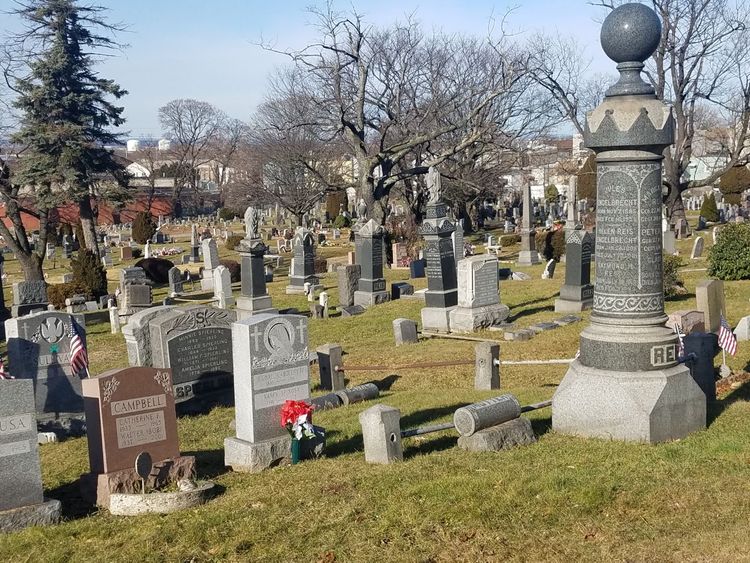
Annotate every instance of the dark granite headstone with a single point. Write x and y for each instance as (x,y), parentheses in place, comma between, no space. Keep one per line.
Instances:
(401,288)
(352,311)
(417,269)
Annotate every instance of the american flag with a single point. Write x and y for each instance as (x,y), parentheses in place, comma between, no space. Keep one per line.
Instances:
(3,372)
(727,341)
(79,360)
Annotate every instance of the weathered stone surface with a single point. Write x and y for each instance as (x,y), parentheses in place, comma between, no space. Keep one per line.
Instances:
(405,331)
(302,269)
(709,295)
(742,331)
(121,504)
(348,280)
(138,335)
(490,412)
(436,319)
(381,433)
(516,432)
(697,251)
(371,286)
(358,393)
(486,366)
(46,513)
(688,321)
(254,457)
(577,293)
(352,311)
(329,358)
(400,289)
(29,292)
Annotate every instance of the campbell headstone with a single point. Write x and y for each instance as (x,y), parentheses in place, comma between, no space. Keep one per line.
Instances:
(22,502)
(478,298)
(196,343)
(271,365)
(39,348)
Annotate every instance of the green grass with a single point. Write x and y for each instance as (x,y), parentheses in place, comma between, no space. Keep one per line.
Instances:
(561,499)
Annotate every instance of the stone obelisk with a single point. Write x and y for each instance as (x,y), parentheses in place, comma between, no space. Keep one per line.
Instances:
(627,383)
(528,256)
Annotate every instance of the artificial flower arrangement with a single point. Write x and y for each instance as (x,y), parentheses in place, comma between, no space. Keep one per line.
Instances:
(296,417)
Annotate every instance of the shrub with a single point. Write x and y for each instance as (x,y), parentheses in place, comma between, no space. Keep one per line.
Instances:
(157,269)
(729,258)
(228,214)
(709,210)
(551,193)
(232,241)
(673,284)
(735,181)
(551,244)
(89,274)
(341,221)
(143,228)
(58,293)
(235,271)
(507,240)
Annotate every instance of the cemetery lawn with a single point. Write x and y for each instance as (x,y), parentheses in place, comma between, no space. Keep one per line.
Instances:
(561,499)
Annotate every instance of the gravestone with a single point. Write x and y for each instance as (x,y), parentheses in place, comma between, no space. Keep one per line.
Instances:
(175,280)
(194,244)
(401,288)
(29,297)
(627,384)
(329,359)
(668,242)
(223,287)
(549,270)
(528,256)
(196,342)
(709,296)
(457,238)
(210,262)
(253,296)
(134,298)
(405,331)
(271,366)
(22,502)
(302,269)
(352,311)
(138,335)
(400,255)
(39,349)
(371,285)
(348,282)
(697,248)
(687,321)
(417,269)
(577,294)
(126,253)
(441,296)
(478,299)
(130,411)
(742,330)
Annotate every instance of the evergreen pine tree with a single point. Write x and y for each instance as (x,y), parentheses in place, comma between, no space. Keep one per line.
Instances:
(67,118)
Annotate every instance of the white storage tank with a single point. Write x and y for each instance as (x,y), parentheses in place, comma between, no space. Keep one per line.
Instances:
(133,145)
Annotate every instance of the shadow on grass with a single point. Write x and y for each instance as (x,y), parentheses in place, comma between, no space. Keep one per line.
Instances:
(423,417)
(386,383)
(541,425)
(680,298)
(208,463)
(742,393)
(73,505)
(445,442)
(528,312)
(347,446)
(534,301)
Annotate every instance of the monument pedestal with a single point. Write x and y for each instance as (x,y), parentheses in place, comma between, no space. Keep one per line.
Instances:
(43,514)
(465,319)
(648,406)
(574,298)
(528,258)
(297,286)
(97,487)
(436,319)
(247,306)
(566,306)
(254,457)
(368,299)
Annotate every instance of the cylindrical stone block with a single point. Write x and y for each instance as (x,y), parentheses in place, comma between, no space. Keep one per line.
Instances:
(359,393)
(487,366)
(491,412)
(326,402)
(381,434)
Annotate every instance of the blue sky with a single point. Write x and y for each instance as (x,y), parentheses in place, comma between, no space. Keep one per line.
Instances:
(204,49)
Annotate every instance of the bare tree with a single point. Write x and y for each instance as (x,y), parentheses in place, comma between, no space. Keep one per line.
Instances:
(385,92)
(230,136)
(700,67)
(192,126)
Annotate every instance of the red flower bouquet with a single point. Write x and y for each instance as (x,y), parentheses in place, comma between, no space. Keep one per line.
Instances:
(296,417)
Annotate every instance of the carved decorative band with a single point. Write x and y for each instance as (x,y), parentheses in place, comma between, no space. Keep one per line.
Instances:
(623,304)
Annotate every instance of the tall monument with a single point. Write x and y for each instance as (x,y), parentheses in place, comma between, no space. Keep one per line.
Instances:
(254,296)
(528,256)
(627,383)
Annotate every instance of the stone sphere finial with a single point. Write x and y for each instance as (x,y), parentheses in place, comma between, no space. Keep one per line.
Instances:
(630,33)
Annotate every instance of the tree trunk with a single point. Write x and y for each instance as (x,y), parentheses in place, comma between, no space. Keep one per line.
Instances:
(88,224)
(300,219)
(31,266)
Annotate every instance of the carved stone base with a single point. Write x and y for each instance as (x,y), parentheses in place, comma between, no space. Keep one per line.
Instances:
(436,319)
(43,514)
(292,289)
(646,406)
(96,488)
(516,432)
(528,258)
(248,306)
(368,299)
(464,319)
(249,457)
(565,306)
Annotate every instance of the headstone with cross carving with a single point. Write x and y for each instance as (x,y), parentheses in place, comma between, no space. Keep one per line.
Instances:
(39,349)
(271,366)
